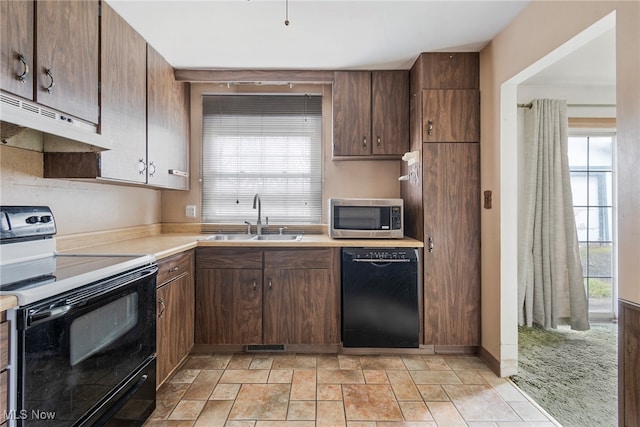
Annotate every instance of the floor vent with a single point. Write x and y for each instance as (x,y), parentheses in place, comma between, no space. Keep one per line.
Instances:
(265,347)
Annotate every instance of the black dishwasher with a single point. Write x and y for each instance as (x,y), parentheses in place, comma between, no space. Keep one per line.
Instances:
(380,297)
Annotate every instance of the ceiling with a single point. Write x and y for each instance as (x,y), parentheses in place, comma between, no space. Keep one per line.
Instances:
(322,34)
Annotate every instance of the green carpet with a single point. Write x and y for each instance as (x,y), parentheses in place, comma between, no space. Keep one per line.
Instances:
(571,374)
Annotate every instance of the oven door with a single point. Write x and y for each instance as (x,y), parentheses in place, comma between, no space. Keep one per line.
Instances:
(80,355)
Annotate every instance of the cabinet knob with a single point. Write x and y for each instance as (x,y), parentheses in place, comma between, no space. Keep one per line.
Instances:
(254,284)
(379,142)
(174,269)
(51,83)
(430,244)
(269,283)
(430,127)
(364,142)
(23,76)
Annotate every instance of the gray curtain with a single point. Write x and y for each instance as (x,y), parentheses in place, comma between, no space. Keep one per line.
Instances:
(551,285)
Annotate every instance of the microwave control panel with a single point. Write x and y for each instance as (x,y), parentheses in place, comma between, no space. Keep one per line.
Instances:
(396,218)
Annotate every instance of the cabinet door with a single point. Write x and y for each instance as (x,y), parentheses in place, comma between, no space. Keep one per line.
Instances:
(352,113)
(16,40)
(167,124)
(452,225)
(124,99)
(451,115)
(166,338)
(67,46)
(298,307)
(390,113)
(228,306)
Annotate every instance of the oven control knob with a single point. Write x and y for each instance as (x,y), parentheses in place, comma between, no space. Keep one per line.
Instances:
(46,218)
(32,220)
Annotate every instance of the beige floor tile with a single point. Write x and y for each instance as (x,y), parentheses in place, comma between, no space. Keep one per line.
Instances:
(348,362)
(330,413)
(382,362)
(261,362)
(169,423)
(240,361)
(415,411)
(187,410)
(371,402)
(261,402)
(237,423)
(203,385)
(340,376)
(466,362)
(163,410)
(528,412)
(209,362)
(436,363)
(297,361)
(433,392)
(243,376)
(406,424)
(435,377)
(302,410)
(285,424)
(280,376)
(415,362)
(375,376)
(214,413)
(303,386)
(445,414)
(171,393)
(225,392)
(328,361)
(186,376)
(329,392)
(403,385)
(361,424)
(480,403)
(471,377)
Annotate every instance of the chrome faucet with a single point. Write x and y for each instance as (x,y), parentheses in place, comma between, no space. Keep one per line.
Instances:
(256,198)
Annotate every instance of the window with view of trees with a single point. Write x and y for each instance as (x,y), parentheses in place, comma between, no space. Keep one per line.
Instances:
(262,144)
(591,166)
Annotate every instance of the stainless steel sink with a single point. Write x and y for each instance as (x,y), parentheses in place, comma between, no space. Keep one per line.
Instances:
(285,237)
(229,237)
(253,237)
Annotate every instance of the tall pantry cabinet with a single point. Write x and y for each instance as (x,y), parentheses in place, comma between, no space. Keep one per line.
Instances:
(442,207)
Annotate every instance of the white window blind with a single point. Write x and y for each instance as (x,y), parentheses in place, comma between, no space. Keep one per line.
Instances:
(262,144)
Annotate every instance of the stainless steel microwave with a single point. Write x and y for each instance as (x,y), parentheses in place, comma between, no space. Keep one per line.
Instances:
(366,218)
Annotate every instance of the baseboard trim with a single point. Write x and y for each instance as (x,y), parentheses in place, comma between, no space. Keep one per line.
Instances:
(490,360)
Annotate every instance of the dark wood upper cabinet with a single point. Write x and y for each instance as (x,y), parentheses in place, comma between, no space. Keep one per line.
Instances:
(448,70)
(16,47)
(167,125)
(66,74)
(390,112)
(370,114)
(123,64)
(450,115)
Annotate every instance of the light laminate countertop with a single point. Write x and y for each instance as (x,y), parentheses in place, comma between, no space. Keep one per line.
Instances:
(165,245)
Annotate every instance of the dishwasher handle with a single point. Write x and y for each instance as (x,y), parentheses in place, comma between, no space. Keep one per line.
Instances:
(381,260)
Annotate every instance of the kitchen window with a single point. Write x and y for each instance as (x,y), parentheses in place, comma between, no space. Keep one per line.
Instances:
(591,165)
(266,144)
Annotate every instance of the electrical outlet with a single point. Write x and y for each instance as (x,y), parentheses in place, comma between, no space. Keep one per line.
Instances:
(190,211)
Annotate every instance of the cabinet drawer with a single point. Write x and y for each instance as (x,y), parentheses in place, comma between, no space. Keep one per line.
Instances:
(228,258)
(174,266)
(300,258)
(4,345)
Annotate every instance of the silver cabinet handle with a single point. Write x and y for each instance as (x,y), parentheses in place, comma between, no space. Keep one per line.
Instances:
(430,127)
(142,166)
(163,308)
(152,171)
(364,142)
(379,142)
(51,83)
(254,284)
(23,76)
(269,282)
(174,269)
(430,244)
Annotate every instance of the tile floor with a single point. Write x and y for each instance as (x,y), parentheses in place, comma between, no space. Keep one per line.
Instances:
(264,390)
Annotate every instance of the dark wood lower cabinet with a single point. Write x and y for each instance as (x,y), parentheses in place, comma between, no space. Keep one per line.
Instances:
(175,314)
(229,306)
(293,298)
